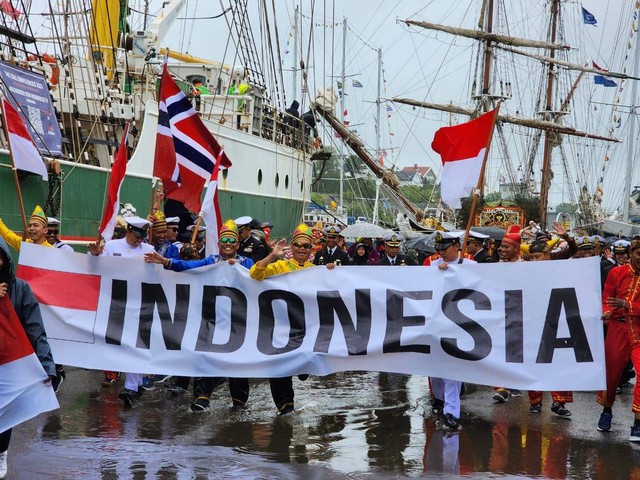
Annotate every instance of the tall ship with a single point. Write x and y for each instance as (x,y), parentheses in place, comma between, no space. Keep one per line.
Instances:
(563,85)
(101,61)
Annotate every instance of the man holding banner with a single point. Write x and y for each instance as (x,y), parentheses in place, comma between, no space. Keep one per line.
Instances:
(282,388)
(131,246)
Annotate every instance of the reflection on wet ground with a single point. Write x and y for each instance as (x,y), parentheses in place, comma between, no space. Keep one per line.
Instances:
(348,425)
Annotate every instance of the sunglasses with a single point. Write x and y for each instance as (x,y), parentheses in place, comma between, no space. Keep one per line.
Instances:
(302,246)
(174,229)
(229,240)
(52,232)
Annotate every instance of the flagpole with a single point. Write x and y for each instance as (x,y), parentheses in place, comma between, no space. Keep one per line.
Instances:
(15,176)
(476,191)
(196,227)
(125,132)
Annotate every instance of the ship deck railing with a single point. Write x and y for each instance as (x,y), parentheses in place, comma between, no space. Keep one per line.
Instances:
(244,113)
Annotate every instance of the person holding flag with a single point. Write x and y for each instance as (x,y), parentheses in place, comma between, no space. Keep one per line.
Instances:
(20,396)
(228,244)
(186,153)
(37,230)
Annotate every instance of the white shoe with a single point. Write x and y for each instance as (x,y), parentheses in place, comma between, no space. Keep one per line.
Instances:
(3,464)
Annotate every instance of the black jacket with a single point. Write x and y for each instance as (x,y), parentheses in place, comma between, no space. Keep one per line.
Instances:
(399,260)
(253,248)
(483,257)
(339,257)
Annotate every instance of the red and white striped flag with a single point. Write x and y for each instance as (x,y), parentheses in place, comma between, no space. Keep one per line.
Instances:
(23,391)
(462,148)
(211,210)
(110,214)
(76,314)
(26,155)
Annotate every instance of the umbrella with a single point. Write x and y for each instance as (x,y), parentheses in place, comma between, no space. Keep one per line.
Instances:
(359,230)
(494,233)
(423,244)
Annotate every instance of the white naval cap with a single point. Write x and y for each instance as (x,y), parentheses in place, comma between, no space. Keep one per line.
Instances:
(53,221)
(477,235)
(138,225)
(242,221)
(172,220)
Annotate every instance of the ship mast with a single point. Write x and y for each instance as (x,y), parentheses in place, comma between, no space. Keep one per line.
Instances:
(545,183)
(626,195)
(378,133)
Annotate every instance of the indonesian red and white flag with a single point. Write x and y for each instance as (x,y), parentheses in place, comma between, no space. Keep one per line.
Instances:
(23,391)
(462,149)
(110,214)
(26,155)
(75,314)
(211,210)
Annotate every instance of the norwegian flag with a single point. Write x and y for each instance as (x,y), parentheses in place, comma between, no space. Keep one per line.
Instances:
(186,151)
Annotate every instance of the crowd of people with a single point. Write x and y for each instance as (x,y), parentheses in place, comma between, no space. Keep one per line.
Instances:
(247,241)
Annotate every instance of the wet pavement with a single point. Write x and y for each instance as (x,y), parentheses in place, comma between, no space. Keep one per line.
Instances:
(348,425)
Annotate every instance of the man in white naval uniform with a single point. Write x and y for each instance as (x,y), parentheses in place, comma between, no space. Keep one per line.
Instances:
(53,228)
(131,246)
(447,392)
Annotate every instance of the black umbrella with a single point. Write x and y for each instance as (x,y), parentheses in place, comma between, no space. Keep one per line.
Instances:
(494,233)
(423,244)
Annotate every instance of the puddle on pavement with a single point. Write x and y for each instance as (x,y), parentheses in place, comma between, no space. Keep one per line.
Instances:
(348,425)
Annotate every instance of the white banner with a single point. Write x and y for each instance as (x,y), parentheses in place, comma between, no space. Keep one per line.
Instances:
(532,326)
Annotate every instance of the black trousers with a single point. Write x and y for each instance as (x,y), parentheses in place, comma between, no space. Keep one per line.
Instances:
(5,438)
(282,391)
(204,386)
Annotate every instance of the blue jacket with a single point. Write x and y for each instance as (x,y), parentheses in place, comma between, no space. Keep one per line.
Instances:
(182,265)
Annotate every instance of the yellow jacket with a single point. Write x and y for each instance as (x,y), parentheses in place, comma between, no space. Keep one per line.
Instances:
(14,240)
(275,268)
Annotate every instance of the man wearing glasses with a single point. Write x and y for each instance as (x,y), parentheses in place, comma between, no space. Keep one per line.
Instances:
(53,226)
(301,247)
(228,243)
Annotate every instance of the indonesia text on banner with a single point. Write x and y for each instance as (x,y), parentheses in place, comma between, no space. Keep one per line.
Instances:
(520,325)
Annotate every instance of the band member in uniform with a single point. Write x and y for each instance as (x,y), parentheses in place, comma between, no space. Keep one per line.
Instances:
(331,253)
(392,256)
(301,238)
